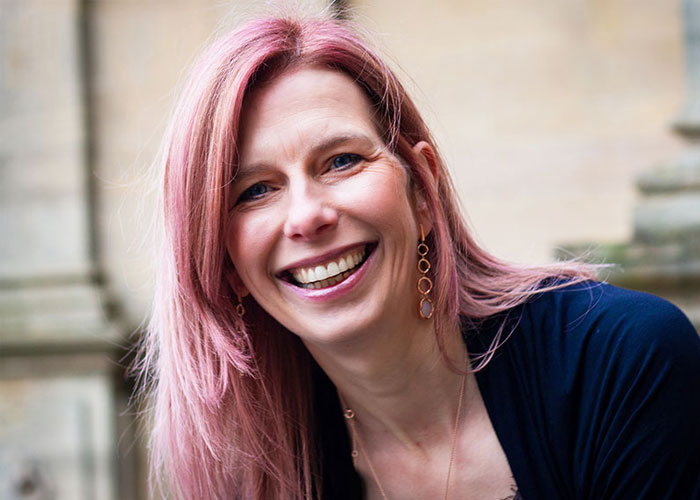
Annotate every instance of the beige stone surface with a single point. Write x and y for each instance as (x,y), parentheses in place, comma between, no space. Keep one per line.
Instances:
(140,51)
(57,438)
(43,220)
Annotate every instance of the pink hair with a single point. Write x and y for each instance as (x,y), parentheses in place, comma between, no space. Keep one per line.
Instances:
(232,409)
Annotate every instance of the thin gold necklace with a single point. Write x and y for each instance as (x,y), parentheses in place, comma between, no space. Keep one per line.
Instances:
(349,415)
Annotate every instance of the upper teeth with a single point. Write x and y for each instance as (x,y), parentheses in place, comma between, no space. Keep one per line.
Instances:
(330,269)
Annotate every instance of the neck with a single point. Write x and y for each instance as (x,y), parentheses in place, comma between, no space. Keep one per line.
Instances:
(400,387)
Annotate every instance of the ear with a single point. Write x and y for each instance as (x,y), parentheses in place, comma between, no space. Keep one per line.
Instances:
(424,155)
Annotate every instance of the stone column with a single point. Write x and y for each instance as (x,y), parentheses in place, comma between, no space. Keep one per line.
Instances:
(664,254)
(58,437)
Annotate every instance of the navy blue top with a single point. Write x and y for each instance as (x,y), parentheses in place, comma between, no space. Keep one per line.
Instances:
(595,395)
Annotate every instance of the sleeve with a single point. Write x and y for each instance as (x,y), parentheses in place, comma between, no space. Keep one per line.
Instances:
(643,431)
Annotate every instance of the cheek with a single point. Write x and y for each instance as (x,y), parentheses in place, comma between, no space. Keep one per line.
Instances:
(248,243)
(383,197)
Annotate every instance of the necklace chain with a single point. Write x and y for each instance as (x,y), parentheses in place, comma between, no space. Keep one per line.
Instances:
(349,415)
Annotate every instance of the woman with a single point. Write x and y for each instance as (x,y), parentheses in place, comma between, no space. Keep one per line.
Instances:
(326,327)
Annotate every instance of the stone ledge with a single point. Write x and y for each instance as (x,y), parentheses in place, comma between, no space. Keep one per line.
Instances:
(672,262)
(59,317)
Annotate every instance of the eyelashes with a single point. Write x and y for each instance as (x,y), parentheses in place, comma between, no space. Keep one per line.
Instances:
(253,192)
(345,160)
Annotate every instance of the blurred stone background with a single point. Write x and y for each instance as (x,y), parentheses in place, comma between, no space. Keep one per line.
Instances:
(547,112)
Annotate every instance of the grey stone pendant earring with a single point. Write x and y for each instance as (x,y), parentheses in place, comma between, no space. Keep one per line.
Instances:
(425,284)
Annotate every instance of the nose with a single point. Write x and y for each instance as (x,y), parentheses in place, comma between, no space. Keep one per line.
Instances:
(310,214)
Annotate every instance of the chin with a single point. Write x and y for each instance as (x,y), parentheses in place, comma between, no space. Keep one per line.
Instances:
(347,329)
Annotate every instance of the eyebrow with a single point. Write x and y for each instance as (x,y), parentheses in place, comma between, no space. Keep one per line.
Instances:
(324,144)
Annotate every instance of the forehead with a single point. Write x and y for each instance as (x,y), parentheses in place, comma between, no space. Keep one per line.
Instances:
(302,102)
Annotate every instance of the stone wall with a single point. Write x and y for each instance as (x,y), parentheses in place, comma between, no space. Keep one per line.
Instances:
(545,112)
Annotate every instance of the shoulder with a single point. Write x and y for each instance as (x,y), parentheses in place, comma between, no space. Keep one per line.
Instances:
(593,336)
(625,370)
(594,394)
(605,316)
(563,330)
(599,335)
(588,337)
(602,299)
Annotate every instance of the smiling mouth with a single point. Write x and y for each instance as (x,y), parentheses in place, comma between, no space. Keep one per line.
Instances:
(331,272)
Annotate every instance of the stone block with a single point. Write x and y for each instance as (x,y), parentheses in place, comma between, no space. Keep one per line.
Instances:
(667,217)
(56,438)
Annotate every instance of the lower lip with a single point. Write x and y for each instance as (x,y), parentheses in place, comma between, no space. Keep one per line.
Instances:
(333,291)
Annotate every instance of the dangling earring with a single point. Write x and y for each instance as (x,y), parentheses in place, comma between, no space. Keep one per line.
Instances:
(425,284)
(240,312)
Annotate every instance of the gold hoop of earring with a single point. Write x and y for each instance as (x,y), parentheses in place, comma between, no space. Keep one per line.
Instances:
(240,312)
(425,284)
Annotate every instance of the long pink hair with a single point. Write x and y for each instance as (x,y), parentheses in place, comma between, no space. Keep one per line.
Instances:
(231,400)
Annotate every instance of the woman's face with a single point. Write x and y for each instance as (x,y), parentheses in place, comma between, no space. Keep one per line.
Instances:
(323,230)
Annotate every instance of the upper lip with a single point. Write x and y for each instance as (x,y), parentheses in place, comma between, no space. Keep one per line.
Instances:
(322,258)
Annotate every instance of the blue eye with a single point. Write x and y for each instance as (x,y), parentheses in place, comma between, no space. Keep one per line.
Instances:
(253,192)
(345,160)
